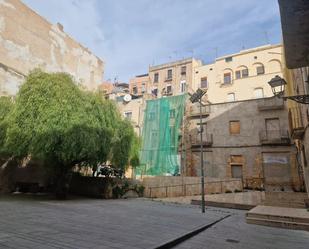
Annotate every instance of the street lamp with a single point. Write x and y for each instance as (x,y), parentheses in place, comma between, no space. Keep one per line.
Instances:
(197,97)
(278,84)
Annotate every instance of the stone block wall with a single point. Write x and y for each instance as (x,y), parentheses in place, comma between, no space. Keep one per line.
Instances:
(173,186)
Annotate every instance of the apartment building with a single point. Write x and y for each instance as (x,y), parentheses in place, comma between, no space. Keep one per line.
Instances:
(240,76)
(139,85)
(172,78)
(295,29)
(243,139)
(28,41)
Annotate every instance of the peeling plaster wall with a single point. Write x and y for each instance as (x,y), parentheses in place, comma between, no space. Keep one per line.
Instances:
(28,41)
(246,144)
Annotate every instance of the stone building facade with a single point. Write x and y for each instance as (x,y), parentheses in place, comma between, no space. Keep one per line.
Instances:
(243,139)
(28,41)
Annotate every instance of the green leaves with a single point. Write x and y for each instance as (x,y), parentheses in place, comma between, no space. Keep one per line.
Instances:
(55,121)
(6,105)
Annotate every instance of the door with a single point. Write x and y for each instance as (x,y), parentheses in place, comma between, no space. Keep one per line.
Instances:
(276,171)
(272,129)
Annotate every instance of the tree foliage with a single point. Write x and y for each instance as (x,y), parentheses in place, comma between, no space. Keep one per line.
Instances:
(55,121)
(6,105)
(122,144)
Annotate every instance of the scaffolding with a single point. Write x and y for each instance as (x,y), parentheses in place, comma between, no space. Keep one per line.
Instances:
(160,136)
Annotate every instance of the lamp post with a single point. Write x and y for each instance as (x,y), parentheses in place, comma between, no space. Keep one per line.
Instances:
(278,84)
(197,97)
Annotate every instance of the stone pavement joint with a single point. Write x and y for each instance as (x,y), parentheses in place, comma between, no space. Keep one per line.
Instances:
(184,237)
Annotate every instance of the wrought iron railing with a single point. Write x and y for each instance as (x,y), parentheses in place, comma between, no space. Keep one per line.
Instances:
(207,139)
(195,110)
(274,136)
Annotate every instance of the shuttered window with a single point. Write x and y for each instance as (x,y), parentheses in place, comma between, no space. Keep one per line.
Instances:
(234,127)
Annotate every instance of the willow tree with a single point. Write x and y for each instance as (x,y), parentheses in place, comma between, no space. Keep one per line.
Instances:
(56,122)
(6,105)
(122,144)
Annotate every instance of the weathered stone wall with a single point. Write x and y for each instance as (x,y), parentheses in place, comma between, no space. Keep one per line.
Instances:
(247,145)
(172,186)
(28,41)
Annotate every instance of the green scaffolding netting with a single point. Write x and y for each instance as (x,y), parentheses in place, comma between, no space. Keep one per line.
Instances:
(160,136)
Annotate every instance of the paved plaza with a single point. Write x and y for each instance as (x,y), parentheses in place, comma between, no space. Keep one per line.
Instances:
(134,223)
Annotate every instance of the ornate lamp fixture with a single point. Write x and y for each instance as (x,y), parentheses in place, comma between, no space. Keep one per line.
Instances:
(278,84)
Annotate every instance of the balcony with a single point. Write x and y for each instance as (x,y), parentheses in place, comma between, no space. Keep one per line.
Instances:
(270,104)
(195,140)
(168,79)
(194,111)
(274,137)
(297,128)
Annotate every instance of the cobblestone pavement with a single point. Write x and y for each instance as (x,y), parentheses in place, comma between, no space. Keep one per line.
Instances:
(135,223)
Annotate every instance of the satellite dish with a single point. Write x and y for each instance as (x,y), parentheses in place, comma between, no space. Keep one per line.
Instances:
(127,98)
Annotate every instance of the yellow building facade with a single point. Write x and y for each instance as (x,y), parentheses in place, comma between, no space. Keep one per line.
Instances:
(240,76)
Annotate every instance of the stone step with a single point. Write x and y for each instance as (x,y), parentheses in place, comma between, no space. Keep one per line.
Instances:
(291,204)
(278,223)
(292,218)
(278,218)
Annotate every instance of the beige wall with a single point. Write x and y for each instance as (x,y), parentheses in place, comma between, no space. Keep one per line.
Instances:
(177,77)
(28,41)
(136,107)
(243,88)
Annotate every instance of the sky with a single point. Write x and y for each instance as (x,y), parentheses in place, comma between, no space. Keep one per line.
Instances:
(130,35)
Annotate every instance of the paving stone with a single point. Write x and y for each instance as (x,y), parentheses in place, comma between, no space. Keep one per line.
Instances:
(131,223)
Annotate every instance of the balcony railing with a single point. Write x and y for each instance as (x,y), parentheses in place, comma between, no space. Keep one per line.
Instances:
(168,78)
(297,128)
(195,111)
(207,140)
(270,104)
(274,137)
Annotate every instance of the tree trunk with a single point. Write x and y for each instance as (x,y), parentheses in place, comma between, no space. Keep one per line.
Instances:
(62,182)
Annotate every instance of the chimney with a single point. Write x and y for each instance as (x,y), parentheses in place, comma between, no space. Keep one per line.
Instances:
(60,26)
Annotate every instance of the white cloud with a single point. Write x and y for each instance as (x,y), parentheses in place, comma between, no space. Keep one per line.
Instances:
(130,35)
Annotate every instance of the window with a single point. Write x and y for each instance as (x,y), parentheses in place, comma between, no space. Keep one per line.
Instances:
(260,70)
(245,73)
(143,87)
(258,93)
(169,89)
(183,70)
(154,135)
(172,134)
(128,115)
(204,83)
(156,78)
(135,90)
(228,59)
(227,78)
(183,86)
(234,127)
(169,74)
(155,92)
(238,74)
(151,116)
(231,97)
(172,113)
